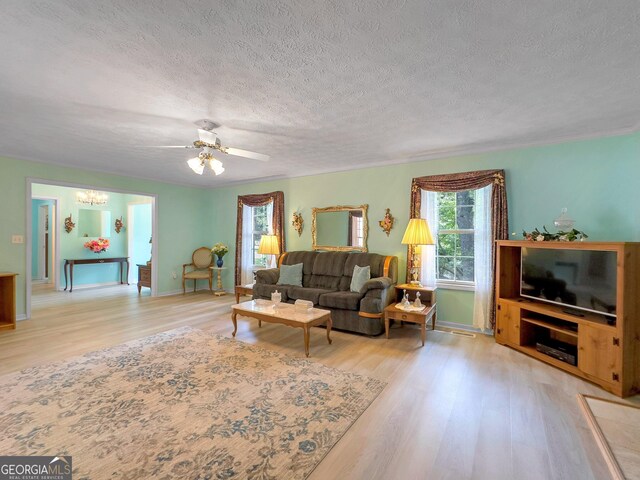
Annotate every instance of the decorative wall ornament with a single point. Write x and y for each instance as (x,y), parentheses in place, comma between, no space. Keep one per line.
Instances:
(297,222)
(119,225)
(386,224)
(68,224)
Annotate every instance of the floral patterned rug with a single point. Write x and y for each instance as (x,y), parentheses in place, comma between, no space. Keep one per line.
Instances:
(182,404)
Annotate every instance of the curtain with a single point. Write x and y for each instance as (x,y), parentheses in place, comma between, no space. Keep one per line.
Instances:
(483,266)
(246,272)
(428,211)
(258,200)
(457,182)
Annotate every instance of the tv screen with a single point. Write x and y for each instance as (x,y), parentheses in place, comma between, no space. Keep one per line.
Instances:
(580,279)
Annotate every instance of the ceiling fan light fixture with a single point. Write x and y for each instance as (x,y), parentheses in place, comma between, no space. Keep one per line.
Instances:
(196,165)
(216,166)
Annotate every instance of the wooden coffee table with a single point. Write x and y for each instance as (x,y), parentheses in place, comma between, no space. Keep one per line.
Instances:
(285,314)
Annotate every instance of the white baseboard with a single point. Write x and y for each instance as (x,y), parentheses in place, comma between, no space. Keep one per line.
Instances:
(92,285)
(462,326)
(22,316)
(179,292)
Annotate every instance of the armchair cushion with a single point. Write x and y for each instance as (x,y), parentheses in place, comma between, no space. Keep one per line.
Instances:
(197,274)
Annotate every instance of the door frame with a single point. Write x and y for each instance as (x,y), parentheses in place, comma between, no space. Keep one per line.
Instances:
(59,224)
(53,237)
(130,228)
(42,231)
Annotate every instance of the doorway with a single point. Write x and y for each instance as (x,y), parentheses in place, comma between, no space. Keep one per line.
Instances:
(63,228)
(139,237)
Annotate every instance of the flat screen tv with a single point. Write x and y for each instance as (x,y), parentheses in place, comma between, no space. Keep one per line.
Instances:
(578,279)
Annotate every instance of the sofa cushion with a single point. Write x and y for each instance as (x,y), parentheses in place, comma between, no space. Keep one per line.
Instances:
(264,290)
(306,293)
(290,275)
(342,300)
(360,277)
(306,258)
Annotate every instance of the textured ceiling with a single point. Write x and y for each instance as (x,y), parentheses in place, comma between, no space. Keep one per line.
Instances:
(318,85)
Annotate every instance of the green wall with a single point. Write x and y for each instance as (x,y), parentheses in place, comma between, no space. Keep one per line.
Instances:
(597,180)
(183,217)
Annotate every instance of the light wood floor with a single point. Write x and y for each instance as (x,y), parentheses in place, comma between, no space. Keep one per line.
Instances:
(458,408)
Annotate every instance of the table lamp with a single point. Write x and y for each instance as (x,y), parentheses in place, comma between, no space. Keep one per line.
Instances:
(417,234)
(269,246)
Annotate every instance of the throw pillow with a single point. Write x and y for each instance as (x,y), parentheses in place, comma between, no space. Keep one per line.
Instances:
(360,277)
(291,275)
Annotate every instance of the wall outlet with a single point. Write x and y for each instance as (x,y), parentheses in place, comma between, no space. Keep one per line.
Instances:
(17,238)
(174,275)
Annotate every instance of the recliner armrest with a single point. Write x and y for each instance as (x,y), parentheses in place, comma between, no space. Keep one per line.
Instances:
(378,283)
(268,276)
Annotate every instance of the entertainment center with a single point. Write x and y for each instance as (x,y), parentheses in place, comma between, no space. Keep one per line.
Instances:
(575,306)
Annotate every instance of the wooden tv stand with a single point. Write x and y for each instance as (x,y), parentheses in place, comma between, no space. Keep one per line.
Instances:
(607,349)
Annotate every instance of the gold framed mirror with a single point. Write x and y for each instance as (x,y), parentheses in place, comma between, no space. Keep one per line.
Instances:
(340,228)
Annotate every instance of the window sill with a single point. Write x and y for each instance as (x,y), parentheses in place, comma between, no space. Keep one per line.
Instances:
(463,286)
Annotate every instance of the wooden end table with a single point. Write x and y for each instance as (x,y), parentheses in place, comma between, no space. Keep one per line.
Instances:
(421,317)
(427,296)
(243,290)
(286,314)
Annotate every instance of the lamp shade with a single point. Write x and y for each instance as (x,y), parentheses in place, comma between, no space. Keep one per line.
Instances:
(196,165)
(417,233)
(269,245)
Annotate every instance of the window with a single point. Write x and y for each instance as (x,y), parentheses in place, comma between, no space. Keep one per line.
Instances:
(260,225)
(454,225)
(356,230)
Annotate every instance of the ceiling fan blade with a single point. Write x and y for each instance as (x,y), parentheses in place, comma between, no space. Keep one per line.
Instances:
(168,146)
(207,137)
(247,154)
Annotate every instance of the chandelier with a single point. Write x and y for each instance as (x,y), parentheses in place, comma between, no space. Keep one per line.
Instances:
(91,197)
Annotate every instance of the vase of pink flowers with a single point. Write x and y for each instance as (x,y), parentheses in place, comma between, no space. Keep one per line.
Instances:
(97,246)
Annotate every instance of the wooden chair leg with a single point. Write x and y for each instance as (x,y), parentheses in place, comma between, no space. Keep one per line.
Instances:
(184,285)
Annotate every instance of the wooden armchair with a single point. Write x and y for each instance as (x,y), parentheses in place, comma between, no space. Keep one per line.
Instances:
(201,260)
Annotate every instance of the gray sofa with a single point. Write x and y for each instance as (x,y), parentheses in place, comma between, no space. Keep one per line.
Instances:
(326,280)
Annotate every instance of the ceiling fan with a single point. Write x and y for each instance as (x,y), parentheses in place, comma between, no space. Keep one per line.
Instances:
(208,142)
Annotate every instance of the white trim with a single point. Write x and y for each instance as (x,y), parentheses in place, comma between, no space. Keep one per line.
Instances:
(58,230)
(446,153)
(22,316)
(456,285)
(405,159)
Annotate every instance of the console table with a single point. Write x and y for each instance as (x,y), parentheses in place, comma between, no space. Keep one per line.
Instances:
(69,264)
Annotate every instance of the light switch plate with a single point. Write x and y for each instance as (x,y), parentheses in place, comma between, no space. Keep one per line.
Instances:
(17,238)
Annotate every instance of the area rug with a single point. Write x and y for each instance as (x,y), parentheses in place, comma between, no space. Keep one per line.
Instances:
(182,404)
(616,429)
